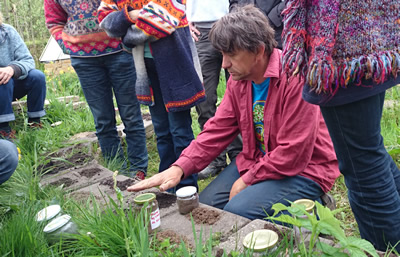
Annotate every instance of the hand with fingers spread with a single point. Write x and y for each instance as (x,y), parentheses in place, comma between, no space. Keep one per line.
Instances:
(194,31)
(6,74)
(166,179)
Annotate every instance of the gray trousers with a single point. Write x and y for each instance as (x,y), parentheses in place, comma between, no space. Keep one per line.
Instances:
(211,62)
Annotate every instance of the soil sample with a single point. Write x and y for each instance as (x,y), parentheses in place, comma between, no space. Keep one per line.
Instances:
(204,216)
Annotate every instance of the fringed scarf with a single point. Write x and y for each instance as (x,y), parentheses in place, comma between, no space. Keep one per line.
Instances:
(335,43)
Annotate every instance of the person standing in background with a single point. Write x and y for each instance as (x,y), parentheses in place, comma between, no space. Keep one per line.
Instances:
(103,69)
(18,78)
(271,8)
(201,17)
(167,65)
(348,52)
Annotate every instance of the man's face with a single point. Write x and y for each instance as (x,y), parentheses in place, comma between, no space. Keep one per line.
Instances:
(240,64)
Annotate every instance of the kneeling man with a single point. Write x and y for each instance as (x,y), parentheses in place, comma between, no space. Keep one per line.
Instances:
(287,152)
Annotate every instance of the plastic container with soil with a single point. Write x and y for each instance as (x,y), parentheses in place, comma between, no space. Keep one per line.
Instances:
(187,199)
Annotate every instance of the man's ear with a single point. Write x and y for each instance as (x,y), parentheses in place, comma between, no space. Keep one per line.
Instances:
(260,51)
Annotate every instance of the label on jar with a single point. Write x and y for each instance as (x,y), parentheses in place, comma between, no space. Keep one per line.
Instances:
(155,219)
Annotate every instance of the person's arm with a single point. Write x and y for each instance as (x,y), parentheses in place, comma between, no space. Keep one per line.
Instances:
(23,61)
(217,134)
(114,19)
(296,138)
(55,18)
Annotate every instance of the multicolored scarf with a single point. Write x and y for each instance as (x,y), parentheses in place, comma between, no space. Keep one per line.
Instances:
(335,43)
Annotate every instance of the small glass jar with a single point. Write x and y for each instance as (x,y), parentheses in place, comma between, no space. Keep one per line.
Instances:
(260,241)
(48,213)
(300,234)
(187,199)
(59,228)
(152,207)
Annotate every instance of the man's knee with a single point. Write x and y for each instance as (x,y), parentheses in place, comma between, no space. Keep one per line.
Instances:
(8,159)
(38,78)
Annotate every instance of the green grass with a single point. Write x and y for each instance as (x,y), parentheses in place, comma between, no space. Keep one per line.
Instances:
(22,196)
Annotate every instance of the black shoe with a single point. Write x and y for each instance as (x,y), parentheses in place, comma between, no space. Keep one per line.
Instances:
(209,171)
(328,201)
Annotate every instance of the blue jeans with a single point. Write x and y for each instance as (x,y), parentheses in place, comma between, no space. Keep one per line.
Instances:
(371,176)
(34,86)
(173,129)
(8,160)
(255,201)
(100,77)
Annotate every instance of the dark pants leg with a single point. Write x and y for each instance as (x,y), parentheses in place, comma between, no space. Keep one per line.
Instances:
(34,86)
(255,201)
(371,176)
(99,77)
(173,129)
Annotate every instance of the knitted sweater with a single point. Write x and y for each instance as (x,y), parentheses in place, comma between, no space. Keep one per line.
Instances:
(14,53)
(336,44)
(163,24)
(75,26)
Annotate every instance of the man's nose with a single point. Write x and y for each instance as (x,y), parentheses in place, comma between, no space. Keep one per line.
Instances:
(226,62)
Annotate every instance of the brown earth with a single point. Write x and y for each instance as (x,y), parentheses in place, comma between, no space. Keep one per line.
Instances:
(89,173)
(174,238)
(204,216)
(57,164)
(165,200)
(66,181)
(280,233)
(122,185)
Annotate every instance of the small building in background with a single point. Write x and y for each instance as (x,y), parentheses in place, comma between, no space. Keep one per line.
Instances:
(54,59)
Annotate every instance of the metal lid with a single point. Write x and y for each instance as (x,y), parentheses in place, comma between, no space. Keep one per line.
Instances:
(307,203)
(186,191)
(260,240)
(143,198)
(48,213)
(57,223)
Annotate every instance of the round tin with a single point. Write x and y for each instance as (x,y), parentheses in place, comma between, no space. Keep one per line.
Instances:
(48,213)
(260,240)
(307,203)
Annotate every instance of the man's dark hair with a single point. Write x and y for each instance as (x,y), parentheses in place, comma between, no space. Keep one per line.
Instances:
(246,28)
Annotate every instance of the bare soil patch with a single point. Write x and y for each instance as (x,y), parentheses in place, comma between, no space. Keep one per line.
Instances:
(89,173)
(204,216)
(165,200)
(122,185)
(173,237)
(272,227)
(66,181)
(59,163)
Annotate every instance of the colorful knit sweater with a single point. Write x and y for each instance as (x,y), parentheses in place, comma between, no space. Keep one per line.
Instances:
(75,26)
(339,43)
(164,26)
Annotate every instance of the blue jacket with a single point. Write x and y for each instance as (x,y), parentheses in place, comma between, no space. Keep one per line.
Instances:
(14,53)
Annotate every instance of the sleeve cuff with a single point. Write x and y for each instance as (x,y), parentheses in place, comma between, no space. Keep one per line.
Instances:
(186,165)
(17,71)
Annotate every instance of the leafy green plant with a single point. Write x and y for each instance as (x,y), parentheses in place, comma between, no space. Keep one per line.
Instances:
(326,224)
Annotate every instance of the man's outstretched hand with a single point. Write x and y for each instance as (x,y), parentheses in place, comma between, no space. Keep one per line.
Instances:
(166,179)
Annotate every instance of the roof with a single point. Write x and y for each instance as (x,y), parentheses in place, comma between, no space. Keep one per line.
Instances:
(52,52)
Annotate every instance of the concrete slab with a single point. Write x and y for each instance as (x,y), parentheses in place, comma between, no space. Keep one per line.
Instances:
(74,178)
(235,241)
(227,224)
